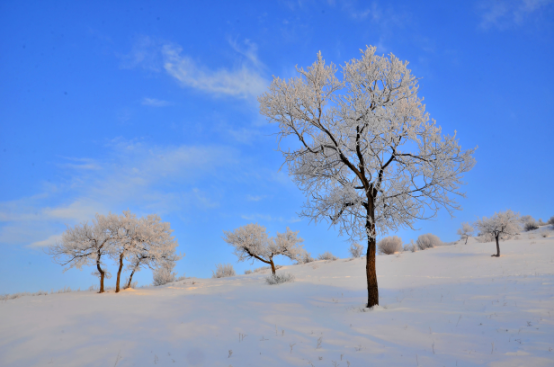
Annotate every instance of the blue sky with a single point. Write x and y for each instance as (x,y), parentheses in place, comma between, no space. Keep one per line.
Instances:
(151,106)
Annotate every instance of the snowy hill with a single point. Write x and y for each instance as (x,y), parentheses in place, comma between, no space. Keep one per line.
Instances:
(448,306)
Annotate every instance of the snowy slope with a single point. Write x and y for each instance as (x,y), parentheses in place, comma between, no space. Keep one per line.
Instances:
(448,306)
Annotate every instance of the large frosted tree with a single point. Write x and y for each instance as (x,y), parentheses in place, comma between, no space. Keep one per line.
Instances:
(368,158)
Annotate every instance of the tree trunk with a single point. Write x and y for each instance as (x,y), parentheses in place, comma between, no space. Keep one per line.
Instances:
(119,271)
(467,238)
(130,279)
(272,265)
(370,270)
(102,273)
(497,247)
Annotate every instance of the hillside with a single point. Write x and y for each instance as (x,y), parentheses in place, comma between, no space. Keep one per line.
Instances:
(448,306)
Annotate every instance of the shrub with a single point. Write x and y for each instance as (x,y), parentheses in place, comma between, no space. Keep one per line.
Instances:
(356,250)
(390,245)
(327,256)
(223,270)
(248,272)
(163,275)
(411,246)
(304,258)
(551,221)
(428,240)
(530,226)
(279,278)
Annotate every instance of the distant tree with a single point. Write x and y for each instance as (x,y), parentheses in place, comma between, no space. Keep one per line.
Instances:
(368,158)
(86,244)
(356,250)
(465,231)
(500,224)
(551,221)
(252,242)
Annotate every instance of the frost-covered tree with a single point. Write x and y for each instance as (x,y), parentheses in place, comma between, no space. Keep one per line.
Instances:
(252,242)
(142,241)
(465,231)
(368,158)
(86,244)
(500,224)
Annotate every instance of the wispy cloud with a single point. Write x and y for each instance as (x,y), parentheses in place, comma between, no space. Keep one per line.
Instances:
(254,197)
(153,102)
(504,14)
(52,240)
(135,175)
(244,79)
(269,218)
(243,82)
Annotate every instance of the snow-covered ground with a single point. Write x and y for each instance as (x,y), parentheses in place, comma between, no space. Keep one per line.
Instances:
(448,306)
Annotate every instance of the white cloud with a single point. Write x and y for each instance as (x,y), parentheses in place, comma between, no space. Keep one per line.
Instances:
(155,179)
(269,218)
(52,240)
(243,82)
(506,13)
(153,102)
(254,197)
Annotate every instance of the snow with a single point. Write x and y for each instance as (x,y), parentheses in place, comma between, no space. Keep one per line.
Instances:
(448,306)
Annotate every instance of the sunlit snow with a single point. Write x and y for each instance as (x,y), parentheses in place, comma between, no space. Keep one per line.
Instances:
(448,306)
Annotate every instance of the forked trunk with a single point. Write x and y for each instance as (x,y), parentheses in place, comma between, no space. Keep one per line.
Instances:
(119,271)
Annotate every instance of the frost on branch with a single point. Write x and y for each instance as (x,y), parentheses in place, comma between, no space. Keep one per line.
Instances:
(500,225)
(86,244)
(465,231)
(252,242)
(365,141)
(367,155)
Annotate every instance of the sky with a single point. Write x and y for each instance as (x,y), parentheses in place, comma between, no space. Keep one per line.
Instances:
(152,107)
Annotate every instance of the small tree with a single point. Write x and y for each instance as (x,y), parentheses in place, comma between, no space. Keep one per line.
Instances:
(465,231)
(551,221)
(500,224)
(368,157)
(252,242)
(86,244)
(356,250)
